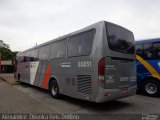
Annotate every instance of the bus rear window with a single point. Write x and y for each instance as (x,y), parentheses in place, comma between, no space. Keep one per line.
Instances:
(119,39)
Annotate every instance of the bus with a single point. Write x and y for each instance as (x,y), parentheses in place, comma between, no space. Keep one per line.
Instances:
(148,66)
(96,63)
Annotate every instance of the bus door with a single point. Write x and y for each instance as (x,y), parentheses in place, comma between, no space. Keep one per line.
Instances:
(25,68)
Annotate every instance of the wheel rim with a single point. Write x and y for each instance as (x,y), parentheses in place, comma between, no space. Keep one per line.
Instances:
(54,90)
(151,88)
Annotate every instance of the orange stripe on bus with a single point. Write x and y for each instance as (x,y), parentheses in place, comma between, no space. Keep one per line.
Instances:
(46,76)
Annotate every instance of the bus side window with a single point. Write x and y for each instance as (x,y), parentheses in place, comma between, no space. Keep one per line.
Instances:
(80,44)
(139,50)
(21,58)
(34,55)
(27,56)
(58,49)
(148,51)
(156,50)
(44,52)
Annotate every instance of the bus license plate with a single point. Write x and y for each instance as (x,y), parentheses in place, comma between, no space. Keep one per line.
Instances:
(124,90)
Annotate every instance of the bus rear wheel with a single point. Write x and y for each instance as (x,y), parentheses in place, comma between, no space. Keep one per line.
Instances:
(151,88)
(54,89)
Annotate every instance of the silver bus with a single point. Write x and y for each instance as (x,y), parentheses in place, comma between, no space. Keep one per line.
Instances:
(96,63)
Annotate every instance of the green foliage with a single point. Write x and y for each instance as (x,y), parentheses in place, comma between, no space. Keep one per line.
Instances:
(7,54)
(14,54)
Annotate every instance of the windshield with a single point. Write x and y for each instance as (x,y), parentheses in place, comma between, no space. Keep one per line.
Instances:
(120,39)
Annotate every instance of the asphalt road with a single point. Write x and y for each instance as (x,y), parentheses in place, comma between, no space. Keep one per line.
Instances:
(25,98)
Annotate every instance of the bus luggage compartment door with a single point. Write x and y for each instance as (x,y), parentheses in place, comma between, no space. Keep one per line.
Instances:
(118,73)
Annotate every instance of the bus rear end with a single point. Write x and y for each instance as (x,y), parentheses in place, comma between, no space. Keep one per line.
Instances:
(116,69)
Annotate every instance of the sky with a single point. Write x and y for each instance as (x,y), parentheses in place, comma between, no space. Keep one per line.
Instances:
(23,23)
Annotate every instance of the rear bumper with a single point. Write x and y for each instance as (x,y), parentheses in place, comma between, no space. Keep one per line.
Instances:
(111,94)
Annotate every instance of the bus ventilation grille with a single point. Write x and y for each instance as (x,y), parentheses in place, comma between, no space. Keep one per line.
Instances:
(84,84)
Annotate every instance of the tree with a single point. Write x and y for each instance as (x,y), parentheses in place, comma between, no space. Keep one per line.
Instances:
(6,54)
(14,54)
(4,45)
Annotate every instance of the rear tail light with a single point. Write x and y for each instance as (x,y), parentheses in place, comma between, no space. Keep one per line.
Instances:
(101,71)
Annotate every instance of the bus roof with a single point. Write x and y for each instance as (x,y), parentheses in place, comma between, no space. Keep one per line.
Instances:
(92,26)
(63,37)
(148,40)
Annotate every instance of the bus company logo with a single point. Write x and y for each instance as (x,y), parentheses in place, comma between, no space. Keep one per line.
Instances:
(65,64)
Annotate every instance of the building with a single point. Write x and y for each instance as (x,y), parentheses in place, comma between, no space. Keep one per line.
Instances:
(6,66)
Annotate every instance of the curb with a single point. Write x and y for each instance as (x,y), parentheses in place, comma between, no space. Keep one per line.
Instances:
(10,82)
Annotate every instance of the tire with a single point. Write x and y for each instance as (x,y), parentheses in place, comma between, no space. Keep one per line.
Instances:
(54,89)
(151,88)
